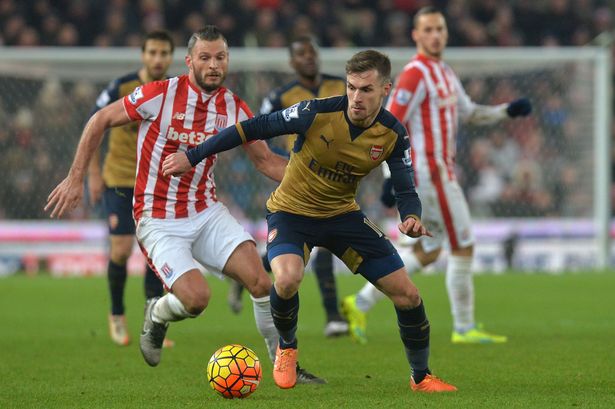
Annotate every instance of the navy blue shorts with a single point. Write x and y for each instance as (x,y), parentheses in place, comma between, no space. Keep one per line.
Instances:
(118,209)
(352,237)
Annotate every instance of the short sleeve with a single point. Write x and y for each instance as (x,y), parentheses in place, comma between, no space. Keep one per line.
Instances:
(407,94)
(145,102)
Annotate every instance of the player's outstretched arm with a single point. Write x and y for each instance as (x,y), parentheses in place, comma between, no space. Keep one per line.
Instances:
(267,162)
(67,195)
(262,127)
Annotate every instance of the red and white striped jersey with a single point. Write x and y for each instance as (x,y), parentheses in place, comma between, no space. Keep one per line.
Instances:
(429,100)
(175,116)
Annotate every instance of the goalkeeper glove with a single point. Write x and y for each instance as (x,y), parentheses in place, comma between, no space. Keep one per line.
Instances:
(388,196)
(519,107)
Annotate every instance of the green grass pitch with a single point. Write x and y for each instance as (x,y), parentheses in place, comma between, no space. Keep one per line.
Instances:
(55,351)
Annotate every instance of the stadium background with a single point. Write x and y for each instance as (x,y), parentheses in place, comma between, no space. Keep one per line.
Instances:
(54,347)
(520,169)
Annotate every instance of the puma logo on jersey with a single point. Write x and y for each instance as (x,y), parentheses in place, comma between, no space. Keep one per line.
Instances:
(328,142)
(307,106)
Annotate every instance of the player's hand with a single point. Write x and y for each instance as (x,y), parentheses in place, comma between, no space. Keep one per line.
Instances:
(519,107)
(65,197)
(413,228)
(176,164)
(387,197)
(96,186)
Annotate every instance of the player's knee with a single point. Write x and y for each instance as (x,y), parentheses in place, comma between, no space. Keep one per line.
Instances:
(196,300)
(287,284)
(119,256)
(407,299)
(260,285)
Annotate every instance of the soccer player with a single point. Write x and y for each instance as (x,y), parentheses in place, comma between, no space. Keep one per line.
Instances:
(429,99)
(310,83)
(180,220)
(340,140)
(116,182)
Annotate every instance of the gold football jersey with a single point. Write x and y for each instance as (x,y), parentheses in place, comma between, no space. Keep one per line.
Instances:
(331,156)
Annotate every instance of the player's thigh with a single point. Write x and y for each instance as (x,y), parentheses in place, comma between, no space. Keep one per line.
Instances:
(290,234)
(219,235)
(290,240)
(167,245)
(245,265)
(399,288)
(361,245)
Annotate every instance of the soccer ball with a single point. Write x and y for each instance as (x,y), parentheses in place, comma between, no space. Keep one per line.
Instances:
(234,371)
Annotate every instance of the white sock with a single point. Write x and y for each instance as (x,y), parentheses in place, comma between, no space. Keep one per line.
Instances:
(368,296)
(460,288)
(264,324)
(168,309)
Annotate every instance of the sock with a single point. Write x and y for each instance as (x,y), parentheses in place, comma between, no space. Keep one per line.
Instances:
(116,276)
(266,263)
(414,332)
(151,283)
(285,315)
(264,324)
(411,262)
(460,289)
(168,309)
(368,296)
(323,268)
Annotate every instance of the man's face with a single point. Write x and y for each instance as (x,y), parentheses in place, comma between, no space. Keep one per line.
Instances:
(157,58)
(304,59)
(430,34)
(208,63)
(365,91)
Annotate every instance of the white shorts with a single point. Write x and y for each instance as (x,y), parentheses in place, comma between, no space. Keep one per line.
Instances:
(446,215)
(172,245)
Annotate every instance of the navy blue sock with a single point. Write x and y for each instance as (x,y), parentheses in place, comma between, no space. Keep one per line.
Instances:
(285,316)
(116,276)
(414,332)
(323,268)
(152,284)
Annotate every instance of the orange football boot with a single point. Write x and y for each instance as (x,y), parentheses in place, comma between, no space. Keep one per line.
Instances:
(285,367)
(431,384)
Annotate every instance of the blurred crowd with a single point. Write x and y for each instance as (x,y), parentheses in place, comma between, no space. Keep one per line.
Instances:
(270,23)
(515,169)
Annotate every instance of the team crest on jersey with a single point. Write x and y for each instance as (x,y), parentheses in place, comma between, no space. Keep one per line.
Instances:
(221,121)
(179,116)
(376,152)
(136,95)
(272,235)
(166,270)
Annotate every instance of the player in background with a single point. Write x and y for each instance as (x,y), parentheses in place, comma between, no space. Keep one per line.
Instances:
(341,139)
(180,220)
(115,184)
(310,83)
(429,100)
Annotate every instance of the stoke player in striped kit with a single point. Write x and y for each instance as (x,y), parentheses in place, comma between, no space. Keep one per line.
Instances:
(429,100)
(180,220)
